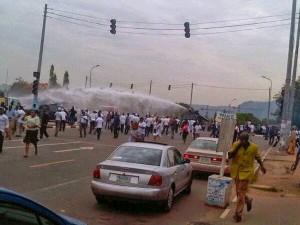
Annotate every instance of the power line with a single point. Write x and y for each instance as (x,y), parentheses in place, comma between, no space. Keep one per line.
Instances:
(171,24)
(169,34)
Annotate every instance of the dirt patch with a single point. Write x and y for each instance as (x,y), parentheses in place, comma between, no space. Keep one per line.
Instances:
(279,178)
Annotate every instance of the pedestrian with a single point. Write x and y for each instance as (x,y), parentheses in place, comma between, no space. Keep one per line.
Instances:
(127,124)
(142,128)
(108,119)
(11,114)
(57,121)
(185,131)
(122,122)
(44,124)
(63,116)
(135,134)
(292,144)
(242,155)
(72,114)
(93,116)
(4,124)
(32,128)
(83,123)
(99,126)
(116,125)
(157,130)
(197,129)
(20,121)
(172,124)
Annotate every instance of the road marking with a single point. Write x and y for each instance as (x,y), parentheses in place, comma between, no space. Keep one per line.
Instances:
(99,144)
(225,213)
(52,163)
(75,149)
(263,158)
(59,185)
(65,143)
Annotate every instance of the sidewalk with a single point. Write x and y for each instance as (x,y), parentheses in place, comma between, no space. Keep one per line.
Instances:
(276,195)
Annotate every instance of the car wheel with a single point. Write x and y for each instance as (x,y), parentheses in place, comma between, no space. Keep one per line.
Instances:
(168,203)
(188,189)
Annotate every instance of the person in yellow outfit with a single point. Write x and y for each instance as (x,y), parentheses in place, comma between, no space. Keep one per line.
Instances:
(242,155)
(292,145)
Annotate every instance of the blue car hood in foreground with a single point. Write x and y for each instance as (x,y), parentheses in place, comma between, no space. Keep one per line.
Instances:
(72,220)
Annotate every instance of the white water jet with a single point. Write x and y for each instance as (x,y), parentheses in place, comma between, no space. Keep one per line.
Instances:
(95,98)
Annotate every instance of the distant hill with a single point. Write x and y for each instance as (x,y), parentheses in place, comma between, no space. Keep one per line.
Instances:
(258,109)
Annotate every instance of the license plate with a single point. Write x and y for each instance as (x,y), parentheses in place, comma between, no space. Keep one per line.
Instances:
(204,160)
(123,179)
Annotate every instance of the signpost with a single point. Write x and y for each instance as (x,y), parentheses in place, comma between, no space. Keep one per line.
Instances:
(219,187)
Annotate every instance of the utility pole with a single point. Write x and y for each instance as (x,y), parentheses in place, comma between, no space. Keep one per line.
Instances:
(86,78)
(191,95)
(292,100)
(150,87)
(35,97)
(285,122)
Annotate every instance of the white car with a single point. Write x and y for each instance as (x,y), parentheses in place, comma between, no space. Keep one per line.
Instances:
(140,171)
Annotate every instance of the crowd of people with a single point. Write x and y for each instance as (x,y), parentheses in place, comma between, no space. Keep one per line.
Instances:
(14,120)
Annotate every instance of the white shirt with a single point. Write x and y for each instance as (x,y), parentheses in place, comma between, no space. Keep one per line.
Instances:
(84,119)
(99,122)
(93,116)
(20,115)
(57,115)
(122,119)
(166,121)
(3,122)
(197,129)
(63,115)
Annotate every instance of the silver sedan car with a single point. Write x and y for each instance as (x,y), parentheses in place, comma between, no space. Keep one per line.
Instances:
(142,171)
(204,156)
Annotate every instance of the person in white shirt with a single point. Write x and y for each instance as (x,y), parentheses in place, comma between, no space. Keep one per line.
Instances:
(93,116)
(197,129)
(142,128)
(63,116)
(32,129)
(20,121)
(83,123)
(158,127)
(4,124)
(122,122)
(57,121)
(99,126)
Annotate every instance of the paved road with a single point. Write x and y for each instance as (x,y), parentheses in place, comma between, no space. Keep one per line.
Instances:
(59,177)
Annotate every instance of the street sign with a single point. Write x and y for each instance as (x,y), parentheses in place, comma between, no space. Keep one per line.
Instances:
(227,116)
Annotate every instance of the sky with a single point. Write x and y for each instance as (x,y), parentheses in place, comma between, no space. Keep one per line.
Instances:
(215,60)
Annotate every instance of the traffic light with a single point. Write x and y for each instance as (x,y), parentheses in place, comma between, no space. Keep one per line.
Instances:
(35,87)
(113,26)
(36,75)
(131,86)
(187,29)
(169,88)
(110,85)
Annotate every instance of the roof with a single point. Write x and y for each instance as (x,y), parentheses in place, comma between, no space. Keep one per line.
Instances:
(147,145)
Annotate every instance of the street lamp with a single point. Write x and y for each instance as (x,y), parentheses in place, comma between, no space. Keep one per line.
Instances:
(91,74)
(230,104)
(270,93)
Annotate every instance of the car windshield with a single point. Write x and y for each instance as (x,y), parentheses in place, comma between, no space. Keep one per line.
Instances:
(140,155)
(204,144)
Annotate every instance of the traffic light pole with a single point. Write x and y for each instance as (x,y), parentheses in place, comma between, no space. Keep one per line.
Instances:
(191,96)
(35,97)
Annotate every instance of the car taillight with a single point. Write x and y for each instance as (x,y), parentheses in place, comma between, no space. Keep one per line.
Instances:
(188,156)
(216,159)
(155,180)
(96,173)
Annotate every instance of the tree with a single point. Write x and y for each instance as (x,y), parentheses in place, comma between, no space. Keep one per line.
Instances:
(66,80)
(53,79)
(20,88)
(242,118)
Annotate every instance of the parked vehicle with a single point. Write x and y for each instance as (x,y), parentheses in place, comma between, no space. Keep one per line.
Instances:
(204,156)
(16,209)
(141,171)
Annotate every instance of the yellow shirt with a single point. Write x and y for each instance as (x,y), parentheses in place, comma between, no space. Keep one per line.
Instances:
(242,165)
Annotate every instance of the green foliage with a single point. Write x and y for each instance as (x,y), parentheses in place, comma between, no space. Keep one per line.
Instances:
(185,105)
(20,88)
(242,118)
(66,80)
(53,79)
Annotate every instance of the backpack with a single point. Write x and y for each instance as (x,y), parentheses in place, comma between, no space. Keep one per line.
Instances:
(185,128)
